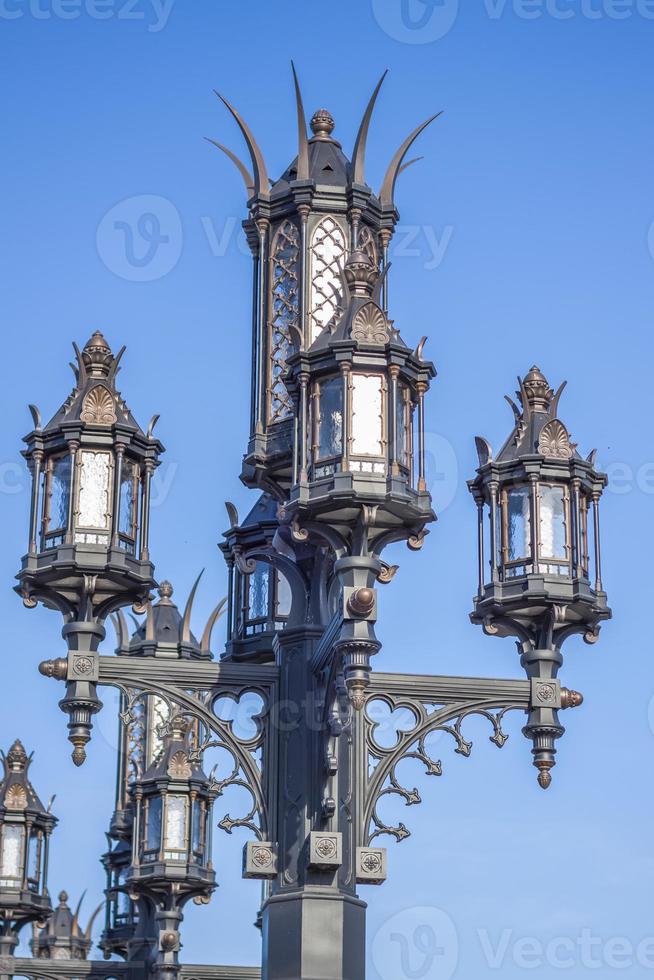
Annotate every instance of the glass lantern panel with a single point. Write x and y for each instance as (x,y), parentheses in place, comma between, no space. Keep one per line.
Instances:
(367,415)
(258,587)
(330,422)
(519,524)
(283,596)
(553,530)
(401,426)
(93,503)
(197,834)
(127,499)
(175,841)
(34,860)
(153,840)
(11,858)
(59,493)
(158,715)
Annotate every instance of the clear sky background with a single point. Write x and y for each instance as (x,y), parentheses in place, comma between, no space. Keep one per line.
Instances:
(526,236)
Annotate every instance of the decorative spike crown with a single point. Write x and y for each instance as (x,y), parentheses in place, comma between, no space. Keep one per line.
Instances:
(537,389)
(360,273)
(17,757)
(97,356)
(322,124)
(165,591)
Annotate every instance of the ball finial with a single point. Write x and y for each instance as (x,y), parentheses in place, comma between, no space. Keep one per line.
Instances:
(322,124)
(165,590)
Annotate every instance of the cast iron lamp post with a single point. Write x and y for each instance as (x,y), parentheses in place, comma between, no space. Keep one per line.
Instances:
(336,450)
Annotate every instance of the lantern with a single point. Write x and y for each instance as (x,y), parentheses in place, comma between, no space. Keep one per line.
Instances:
(171,835)
(25,828)
(540,574)
(91,469)
(539,536)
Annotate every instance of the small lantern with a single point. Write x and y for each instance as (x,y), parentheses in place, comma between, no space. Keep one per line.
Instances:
(25,828)
(540,575)
(171,835)
(91,469)
(539,501)
(259,598)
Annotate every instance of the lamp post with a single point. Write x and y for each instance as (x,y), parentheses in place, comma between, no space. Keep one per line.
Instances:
(336,450)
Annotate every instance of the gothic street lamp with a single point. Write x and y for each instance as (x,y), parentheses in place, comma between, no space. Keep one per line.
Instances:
(165,634)
(538,512)
(88,552)
(336,450)
(171,839)
(25,828)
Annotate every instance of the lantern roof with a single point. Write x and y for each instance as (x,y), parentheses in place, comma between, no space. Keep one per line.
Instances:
(16,790)
(175,761)
(64,933)
(95,399)
(166,632)
(538,429)
(320,159)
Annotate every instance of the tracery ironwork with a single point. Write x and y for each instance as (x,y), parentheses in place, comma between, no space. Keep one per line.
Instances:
(327,253)
(383,779)
(246,753)
(284,317)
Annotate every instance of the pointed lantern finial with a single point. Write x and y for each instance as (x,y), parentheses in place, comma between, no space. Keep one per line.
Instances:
(535,388)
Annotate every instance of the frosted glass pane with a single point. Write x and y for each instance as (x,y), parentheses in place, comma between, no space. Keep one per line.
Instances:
(176,823)
(330,423)
(12,851)
(159,715)
(94,491)
(552,523)
(283,595)
(367,415)
(519,524)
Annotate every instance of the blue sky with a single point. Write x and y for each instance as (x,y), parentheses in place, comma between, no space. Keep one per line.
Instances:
(526,236)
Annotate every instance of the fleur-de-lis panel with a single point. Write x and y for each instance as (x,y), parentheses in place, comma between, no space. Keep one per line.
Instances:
(327,255)
(285,312)
(366,243)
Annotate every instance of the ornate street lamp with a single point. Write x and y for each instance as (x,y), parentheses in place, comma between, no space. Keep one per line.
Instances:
(25,828)
(171,839)
(88,552)
(540,576)
(165,634)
